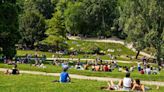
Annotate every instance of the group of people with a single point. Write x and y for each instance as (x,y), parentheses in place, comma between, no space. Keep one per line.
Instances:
(145,68)
(25,59)
(109,66)
(127,84)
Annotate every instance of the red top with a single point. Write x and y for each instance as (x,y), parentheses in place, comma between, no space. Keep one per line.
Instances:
(142,72)
(106,68)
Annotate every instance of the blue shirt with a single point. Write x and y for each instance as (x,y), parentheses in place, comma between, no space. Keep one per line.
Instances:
(63,77)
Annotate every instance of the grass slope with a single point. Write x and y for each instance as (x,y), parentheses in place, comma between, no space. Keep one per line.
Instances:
(86,46)
(38,83)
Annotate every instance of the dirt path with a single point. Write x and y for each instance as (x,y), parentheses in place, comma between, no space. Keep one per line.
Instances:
(85,77)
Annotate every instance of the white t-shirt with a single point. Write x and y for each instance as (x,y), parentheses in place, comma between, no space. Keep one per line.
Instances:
(139,65)
(127,82)
(148,71)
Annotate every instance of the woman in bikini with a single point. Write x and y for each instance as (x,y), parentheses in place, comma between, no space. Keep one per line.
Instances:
(138,86)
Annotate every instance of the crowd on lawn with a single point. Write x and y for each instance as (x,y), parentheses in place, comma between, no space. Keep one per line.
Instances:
(94,65)
(126,84)
(109,66)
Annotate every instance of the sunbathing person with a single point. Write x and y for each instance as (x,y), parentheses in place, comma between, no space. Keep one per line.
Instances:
(138,86)
(14,71)
(123,85)
(112,86)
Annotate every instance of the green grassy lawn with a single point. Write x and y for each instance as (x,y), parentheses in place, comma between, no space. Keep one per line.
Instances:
(39,83)
(113,74)
(87,47)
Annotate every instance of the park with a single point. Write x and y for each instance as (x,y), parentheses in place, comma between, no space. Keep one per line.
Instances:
(81,45)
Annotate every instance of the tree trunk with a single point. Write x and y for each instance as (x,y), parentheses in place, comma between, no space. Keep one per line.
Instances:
(158,55)
(138,52)
(30,45)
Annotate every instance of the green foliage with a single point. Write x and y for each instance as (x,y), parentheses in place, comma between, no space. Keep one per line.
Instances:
(132,24)
(56,29)
(143,21)
(90,17)
(44,7)
(9,34)
(74,18)
(32,27)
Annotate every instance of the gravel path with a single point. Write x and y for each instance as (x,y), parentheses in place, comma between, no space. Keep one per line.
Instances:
(85,77)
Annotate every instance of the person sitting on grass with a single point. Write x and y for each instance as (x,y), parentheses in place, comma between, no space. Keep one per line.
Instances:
(127,82)
(120,69)
(93,67)
(148,70)
(15,70)
(142,71)
(64,76)
(97,68)
(131,68)
(137,86)
(105,68)
(155,71)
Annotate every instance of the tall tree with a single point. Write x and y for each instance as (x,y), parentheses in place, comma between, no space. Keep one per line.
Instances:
(56,30)
(100,15)
(143,21)
(90,17)
(74,18)
(45,7)
(9,34)
(32,27)
(56,25)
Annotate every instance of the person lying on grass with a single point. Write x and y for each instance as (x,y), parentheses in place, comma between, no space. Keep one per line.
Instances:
(14,71)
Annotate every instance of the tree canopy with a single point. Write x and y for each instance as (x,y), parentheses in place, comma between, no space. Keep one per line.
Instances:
(9,34)
(143,22)
(33,22)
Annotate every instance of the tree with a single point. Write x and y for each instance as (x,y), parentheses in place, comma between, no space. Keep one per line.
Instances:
(9,34)
(143,21)
(100,15)
(74,18)
(56,30)
(32,27)
(90,17)
(56,25)
(44,7)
